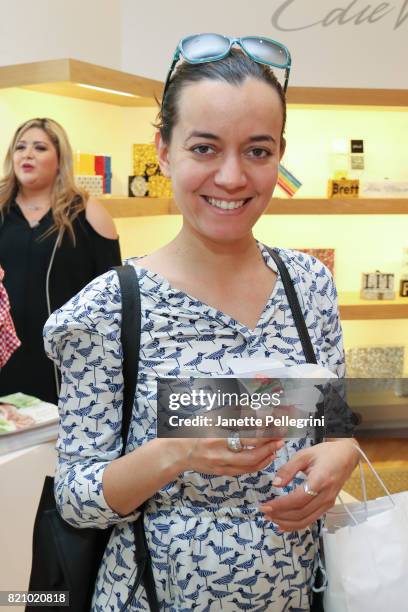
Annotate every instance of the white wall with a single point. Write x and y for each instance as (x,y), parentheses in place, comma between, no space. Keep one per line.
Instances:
(140,37)
(349,55)
(88,30)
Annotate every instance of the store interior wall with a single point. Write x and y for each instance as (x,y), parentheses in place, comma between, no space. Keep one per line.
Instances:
(347,44)
(105,129)
(311,135)
(140,39)
(89,30)
(358,45)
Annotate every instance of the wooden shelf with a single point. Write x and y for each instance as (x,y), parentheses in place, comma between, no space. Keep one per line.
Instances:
(62,77)
(140,207)
(341,96)
(361,206)
(119,206)
(353,308)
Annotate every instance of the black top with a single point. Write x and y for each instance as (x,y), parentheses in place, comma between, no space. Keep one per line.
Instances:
(26,258)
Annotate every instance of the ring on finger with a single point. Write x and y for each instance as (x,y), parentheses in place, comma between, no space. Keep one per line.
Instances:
(308,490)
(234,443)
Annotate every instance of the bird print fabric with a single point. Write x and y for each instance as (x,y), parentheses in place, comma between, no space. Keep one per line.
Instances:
(211,548)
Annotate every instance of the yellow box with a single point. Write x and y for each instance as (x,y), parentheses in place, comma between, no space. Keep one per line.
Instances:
(343,189)
(84,163)
(159,187)
(145,160)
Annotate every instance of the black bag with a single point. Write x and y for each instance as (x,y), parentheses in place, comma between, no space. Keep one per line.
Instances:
(66,558)
(317,599)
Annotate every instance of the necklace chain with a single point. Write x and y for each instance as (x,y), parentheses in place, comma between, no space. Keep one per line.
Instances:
(34,207)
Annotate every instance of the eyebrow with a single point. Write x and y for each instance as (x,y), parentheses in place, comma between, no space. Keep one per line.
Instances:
(210,136)
(35,142)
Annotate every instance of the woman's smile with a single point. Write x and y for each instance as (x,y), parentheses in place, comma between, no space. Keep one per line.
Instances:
(226,206)
(224,162)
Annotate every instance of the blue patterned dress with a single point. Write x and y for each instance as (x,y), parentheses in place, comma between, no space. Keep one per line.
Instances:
(211,547)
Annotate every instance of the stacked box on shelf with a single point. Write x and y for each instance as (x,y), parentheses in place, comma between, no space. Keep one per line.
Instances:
(93,184)
(84,164)
(93,173)
(147,179)
(108,174)
(103,168)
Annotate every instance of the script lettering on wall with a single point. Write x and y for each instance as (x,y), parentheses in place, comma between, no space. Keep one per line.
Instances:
(356,12)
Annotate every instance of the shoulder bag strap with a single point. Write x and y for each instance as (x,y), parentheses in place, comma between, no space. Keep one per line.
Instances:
(295,307)
(299,320)
(308,351)
(130,337)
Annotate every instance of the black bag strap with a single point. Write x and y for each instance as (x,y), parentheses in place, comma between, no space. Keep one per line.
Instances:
(308,351)
(130,338)
(298,317)
(299,320)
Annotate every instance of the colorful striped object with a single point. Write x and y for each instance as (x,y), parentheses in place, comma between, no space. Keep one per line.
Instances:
(287,181)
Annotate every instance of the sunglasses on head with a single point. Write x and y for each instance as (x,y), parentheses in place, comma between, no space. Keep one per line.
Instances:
(201,48)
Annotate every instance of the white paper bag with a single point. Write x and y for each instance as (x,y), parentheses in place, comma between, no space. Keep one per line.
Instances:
(366,554)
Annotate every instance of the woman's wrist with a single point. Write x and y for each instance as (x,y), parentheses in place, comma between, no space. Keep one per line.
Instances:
(352,444)
(172,457)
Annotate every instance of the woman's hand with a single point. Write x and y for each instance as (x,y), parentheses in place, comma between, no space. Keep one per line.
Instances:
(212,456)
(327,466)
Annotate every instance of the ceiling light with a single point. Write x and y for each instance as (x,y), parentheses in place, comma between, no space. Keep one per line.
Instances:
(104,89)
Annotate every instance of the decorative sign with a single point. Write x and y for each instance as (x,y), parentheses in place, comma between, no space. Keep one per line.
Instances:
(357,154)
(404,288)
(377,286)
(404,274)
(357,146)
(384,189)
(286,15)
(343,188)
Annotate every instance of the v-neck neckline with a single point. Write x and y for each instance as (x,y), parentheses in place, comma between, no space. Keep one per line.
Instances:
(198,305)
(21,214)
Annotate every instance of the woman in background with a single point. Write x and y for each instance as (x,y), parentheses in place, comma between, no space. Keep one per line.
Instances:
(54,239)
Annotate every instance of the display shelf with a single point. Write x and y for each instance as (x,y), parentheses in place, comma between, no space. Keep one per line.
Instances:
(64,76)
(342,96)
(358,206)
(119,206)
(353,308)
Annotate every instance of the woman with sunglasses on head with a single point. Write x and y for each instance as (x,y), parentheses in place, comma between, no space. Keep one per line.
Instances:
(54,239)
(211,294)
